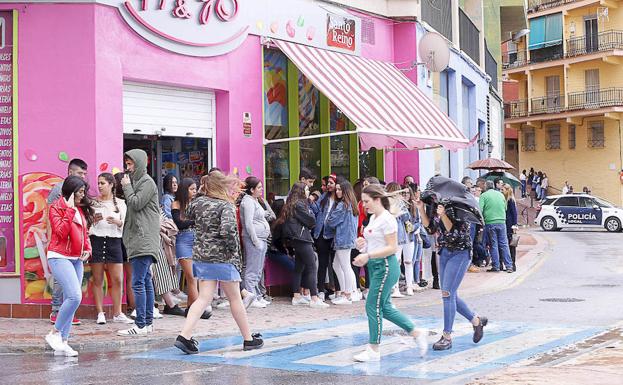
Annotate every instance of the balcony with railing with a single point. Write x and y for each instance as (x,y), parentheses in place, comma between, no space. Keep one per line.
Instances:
(597,42)
(593,99)
(547,104)
(516,109)
(514,59)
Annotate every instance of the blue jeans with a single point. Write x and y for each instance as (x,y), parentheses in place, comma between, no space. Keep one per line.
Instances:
(68,273)
(281,259)
(498,243)
(417,257)
(523,188)
(57,296)
(452,268)
(143,289)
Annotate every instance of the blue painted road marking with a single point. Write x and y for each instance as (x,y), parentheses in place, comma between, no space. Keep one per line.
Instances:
(328,348)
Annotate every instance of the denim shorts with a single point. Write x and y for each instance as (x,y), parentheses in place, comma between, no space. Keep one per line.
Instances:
(184,244)
(224,272)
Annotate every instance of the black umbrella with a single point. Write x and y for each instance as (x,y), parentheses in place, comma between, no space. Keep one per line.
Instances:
(507,177)
(454,195)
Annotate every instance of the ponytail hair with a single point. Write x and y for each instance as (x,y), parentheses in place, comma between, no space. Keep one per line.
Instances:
(376,191)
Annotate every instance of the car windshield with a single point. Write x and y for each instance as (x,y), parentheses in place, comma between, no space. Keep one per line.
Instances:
(548,201)
(602,203)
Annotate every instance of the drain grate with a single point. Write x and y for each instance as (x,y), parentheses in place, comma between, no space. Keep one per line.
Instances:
(561,300)
(601,285)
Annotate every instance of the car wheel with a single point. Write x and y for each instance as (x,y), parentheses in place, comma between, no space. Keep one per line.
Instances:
(548,223)
(613,225)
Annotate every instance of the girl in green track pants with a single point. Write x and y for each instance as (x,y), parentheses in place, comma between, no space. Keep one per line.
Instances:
(378,247)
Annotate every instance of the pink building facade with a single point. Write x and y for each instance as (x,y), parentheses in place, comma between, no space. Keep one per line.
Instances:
(78,66)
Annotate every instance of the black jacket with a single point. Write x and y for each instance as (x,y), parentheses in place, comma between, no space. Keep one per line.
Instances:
(298,227)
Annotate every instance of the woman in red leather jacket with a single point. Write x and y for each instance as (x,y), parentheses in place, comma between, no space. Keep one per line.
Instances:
(70,219)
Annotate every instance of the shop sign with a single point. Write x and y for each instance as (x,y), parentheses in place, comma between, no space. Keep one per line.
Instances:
(341,32)
(246,124)
(192,27)
(7,201)
(215,27)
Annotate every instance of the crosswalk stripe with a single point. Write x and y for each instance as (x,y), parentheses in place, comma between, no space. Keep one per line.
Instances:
(389,346)
(288,341)
(471,358)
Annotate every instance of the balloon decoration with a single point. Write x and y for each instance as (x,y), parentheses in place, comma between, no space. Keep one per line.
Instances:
(115,170)
(311,31)
(274,27)
(248,170)
(30,155)
(301,21)
(291,31)
(63,156)
(103,167)
(259,25)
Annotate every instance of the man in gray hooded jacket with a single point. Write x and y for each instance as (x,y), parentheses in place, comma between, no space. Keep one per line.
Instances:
(141,237)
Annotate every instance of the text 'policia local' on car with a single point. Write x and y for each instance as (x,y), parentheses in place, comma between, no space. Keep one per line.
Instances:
(559,212)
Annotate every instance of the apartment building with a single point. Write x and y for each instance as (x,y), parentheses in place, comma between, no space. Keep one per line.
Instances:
(567,82)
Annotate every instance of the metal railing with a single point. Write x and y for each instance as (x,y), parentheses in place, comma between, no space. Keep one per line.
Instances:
(597,42)
(548,104)
(514,59)
(516,109)
(540,5)
(598,98)
(469,37)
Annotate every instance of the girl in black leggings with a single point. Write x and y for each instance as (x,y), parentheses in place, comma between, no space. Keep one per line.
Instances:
(298,220)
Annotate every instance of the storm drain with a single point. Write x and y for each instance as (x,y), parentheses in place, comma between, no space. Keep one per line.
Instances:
(561,300)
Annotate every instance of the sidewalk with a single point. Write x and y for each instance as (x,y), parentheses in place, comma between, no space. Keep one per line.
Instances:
(26,335)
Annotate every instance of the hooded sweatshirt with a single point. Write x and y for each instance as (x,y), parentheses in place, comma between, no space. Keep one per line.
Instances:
(141,231)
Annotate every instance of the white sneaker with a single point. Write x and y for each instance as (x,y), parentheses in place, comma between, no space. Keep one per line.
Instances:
(181,296)
(364,294)
(356,296)
(67,351)
(265,302)
(258,304)
(307,298)
(150,328)
(321,295)
(101,318)
(422,341)
(122,319)
(248,300)
(224,304)
(342,301)
(134,331)
(397,294)
(55,341)
(318,304)
(157,314)
(333,296)
(410,291)
(300,301)
(367,355)
(133,314)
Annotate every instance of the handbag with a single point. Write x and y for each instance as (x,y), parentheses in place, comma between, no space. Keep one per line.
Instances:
(409,227)
(425,241)
(514,240)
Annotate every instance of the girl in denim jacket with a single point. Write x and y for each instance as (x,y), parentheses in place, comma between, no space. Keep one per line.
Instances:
(343,221)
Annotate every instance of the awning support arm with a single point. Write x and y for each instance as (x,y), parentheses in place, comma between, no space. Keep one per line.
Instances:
(269,141)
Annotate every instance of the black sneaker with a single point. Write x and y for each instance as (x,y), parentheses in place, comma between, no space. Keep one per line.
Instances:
(256,343)
(423,283)
(206,315)
(493,270)
(479,330)
(190,346)
(442,344)
(175,310)
(510,270)
(436,285)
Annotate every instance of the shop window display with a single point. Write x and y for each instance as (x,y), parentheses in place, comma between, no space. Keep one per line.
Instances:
(340,149)
(276,122)
(367,163)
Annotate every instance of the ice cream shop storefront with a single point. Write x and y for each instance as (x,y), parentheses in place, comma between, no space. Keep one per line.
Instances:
(253,87)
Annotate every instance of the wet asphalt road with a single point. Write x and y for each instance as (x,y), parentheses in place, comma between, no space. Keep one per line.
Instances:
(578,283)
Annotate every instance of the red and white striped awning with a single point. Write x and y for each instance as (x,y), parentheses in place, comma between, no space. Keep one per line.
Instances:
(386,107)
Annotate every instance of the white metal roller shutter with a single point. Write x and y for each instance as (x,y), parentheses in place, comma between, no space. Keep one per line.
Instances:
(150,109)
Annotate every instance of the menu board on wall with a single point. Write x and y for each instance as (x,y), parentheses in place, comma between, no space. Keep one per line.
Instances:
(7,210)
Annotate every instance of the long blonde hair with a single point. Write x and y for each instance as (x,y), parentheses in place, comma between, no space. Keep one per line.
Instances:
(508,192)
(220,186)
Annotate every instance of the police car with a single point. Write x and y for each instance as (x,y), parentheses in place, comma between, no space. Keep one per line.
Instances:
(578,210)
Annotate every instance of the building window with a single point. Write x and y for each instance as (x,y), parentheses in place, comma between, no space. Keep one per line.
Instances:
(438,14)
(553,138)
(444,89)
(469,37)
(276,121)
(367,163)
(596,138)
(572,136)
(529,140)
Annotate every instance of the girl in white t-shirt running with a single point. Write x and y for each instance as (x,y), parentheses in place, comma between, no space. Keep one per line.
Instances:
(378,250)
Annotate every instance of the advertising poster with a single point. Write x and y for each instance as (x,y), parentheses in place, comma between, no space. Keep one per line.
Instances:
(8,263)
